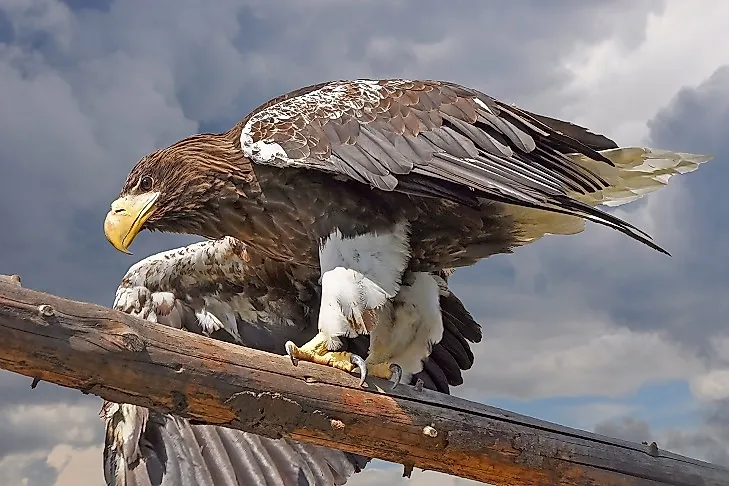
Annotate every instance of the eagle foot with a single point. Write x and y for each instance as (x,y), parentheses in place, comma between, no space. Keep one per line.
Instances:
(386,371)
(316,351)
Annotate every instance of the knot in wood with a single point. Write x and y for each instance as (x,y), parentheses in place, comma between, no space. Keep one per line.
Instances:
(132,342)
(430,431)
(46,310)
(336,424)
(653,449)
(178,403)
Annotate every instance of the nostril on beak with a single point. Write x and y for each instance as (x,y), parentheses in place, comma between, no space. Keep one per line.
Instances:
(118,210)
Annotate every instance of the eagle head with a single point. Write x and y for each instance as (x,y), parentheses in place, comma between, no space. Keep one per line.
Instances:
(180,189)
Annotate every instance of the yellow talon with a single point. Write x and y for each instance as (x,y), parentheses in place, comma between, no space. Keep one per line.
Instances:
(386,371)
(380,370)
(316,351)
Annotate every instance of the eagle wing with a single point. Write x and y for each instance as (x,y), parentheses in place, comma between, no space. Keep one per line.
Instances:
(213,288)
(439,139)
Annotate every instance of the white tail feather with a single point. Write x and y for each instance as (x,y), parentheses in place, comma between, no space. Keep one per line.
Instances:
(637,172)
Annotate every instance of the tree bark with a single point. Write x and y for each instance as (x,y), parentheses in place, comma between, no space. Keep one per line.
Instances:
(124,359)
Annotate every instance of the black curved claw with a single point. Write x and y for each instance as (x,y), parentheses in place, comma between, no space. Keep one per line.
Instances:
(359,363)
(396,375)
(290,352)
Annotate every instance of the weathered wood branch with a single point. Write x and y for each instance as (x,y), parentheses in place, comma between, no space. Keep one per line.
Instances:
(124,359)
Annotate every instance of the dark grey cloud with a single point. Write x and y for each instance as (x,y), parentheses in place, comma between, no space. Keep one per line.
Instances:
(691,303)
(79,5)
(15,390)
(626,428)
(512,51)
(709,442)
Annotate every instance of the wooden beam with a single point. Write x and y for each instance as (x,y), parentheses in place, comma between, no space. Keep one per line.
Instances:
(124,359)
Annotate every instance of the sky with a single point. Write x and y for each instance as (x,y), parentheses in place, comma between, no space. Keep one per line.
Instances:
(594,330)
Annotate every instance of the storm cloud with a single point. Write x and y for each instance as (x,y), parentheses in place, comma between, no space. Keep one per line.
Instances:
(88,87)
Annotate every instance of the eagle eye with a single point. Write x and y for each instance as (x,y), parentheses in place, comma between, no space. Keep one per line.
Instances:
(145,183)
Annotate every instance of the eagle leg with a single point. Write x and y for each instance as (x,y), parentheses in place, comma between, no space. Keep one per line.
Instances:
(400,343)
(317,351)
(360,275)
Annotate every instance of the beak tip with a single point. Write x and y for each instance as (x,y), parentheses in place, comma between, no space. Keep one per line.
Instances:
(126,218)
(111,236)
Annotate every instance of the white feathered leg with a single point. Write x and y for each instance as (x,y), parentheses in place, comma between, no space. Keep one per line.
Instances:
(360,276)
(401,344)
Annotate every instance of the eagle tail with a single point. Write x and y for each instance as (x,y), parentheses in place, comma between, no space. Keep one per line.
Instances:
(636,172)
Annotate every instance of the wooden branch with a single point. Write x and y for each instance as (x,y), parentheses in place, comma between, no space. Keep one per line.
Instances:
(124,359)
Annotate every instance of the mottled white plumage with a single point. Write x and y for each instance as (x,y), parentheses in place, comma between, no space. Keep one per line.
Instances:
(189,264)
(185,267)
(333,99)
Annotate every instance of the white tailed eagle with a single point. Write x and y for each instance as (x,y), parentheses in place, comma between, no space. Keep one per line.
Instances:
(218,289)
(364,181)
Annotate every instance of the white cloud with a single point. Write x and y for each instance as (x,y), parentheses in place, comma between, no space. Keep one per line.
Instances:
(63,465)
(618,89)
(77,466)
(75,421)
(712,386)
(558,355)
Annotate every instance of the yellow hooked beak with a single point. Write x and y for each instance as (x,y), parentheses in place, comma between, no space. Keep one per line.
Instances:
(126,217)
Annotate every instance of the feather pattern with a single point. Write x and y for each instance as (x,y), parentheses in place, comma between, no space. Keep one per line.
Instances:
(257,303)
(466,138)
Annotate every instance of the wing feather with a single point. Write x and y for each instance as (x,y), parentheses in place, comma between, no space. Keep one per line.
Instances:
(395,134)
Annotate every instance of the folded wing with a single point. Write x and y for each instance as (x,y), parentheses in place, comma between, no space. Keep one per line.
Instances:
(439,139)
